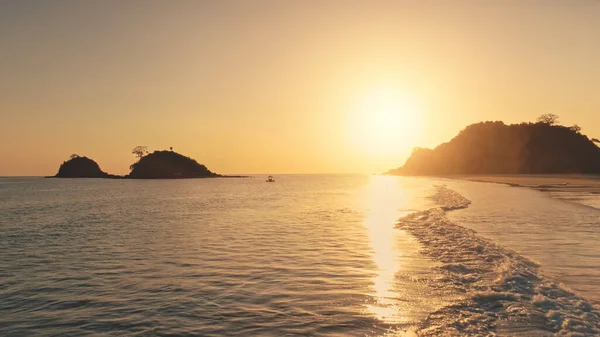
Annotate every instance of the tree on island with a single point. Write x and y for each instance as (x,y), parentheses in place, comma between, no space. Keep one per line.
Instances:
(576,128)
(549,119)
(140,151)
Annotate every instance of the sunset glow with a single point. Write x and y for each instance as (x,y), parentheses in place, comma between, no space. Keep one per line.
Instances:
(385,122)
(300,168)
(284,87)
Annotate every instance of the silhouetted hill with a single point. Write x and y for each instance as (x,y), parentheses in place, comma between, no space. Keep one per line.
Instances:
(168,164)
(80,167)
(497,148)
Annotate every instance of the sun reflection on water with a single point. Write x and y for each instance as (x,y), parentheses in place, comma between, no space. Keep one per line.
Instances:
(385,203)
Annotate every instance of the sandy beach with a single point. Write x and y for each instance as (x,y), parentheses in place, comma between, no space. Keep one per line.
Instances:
(580,188)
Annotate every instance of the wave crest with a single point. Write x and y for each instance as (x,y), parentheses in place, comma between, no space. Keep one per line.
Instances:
(449,199)
(504,292)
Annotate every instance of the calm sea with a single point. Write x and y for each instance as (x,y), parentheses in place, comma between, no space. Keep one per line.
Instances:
(308,255)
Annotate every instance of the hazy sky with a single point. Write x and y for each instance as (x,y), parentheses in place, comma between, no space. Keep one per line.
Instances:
(283,86)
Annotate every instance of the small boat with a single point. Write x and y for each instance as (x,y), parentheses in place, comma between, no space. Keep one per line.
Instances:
(270,179)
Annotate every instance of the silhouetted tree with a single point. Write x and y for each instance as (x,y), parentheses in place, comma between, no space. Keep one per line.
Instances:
(575,128)
(549,119)
(171,148)
(139,151)
(595,140)
(73,156)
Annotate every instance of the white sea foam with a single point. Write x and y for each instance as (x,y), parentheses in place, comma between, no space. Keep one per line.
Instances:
(504,292)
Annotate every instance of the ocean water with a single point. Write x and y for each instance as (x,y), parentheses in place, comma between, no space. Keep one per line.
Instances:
(308,255)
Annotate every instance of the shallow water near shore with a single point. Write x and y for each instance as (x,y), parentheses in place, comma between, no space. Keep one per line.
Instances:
(317,255)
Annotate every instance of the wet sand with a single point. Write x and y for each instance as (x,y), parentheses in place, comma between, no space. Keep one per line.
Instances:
(581,188)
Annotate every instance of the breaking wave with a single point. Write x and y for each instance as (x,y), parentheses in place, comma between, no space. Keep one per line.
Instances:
(503,293)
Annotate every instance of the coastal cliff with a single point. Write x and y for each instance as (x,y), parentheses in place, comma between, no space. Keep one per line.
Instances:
(497,148)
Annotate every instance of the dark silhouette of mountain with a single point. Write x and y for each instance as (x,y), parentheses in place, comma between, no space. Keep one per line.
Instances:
(80,167)
(168,165)
(497,148)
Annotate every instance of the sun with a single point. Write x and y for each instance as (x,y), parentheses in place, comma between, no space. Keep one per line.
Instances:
(384,122)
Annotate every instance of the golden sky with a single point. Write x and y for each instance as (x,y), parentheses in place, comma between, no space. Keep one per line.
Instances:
(283,86)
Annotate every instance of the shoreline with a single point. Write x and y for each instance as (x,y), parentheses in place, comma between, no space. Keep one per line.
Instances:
(545,183)
(578,188)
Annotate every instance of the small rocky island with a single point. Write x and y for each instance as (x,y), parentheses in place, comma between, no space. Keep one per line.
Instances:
(80,167)
(156,165)
(543,147)
(168,165)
